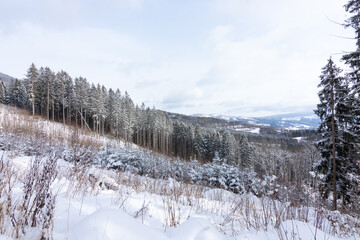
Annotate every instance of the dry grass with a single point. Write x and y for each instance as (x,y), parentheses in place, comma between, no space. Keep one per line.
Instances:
(237,212)
(34,207)
(20,122)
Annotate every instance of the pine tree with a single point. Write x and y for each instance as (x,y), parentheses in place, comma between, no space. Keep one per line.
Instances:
(110,104)
(352,130)
(62,78)
(228,147)
(128,113)
(117,113)
(199,143)
(81,91)
(352,59)
(16,94)
(9,95)
(31,80)
(69,96)
(2,92)
(244,151)
(19,92)
(336,145)
(44,90)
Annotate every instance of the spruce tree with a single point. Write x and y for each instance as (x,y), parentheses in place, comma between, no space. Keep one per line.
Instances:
(2,92)
(228,147)
(199,143)
(81,92)
(117,113)
(61,79)
(336,145)
(244,151)
(44,90)
(31,80)
(9,94)
(19,93)
(352,59)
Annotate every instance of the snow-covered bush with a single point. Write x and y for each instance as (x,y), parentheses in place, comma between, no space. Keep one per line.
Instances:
(35,207)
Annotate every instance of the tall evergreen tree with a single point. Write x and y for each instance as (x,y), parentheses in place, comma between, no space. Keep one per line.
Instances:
(244,151)
(31,80)
(19,93)
(110,101)
(129,114)
(117,113)
(228,147)
(2,92)
(44,90)
(70,96)
(16,94)
(81,91)
(352,59)
(61,79)
(336,145)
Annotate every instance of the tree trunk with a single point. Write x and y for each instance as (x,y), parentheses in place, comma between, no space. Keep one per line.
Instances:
(32,97)
(333,147)
(81,119)
(53,111)
(48,101)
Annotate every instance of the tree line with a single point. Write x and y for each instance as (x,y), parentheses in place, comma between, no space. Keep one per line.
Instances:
(59,97)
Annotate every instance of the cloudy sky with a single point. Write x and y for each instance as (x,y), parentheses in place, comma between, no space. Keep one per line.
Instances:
(233,57)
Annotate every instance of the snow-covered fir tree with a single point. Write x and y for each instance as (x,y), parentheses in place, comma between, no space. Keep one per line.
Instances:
(336,145)
(2,92)
(31,81)
(228,147)
(244,151)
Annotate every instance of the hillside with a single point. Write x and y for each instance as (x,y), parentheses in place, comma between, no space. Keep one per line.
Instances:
(5,78)
(78,195)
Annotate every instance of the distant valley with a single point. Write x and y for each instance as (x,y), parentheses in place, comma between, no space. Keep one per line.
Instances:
(293,121)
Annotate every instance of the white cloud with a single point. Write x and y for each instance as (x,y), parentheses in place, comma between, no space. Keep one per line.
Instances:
(275,66)
(256,54)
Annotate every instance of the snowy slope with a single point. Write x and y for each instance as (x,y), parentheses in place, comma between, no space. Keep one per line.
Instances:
(97,203)
(129,213)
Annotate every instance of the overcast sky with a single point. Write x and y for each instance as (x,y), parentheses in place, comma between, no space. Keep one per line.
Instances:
(233,57)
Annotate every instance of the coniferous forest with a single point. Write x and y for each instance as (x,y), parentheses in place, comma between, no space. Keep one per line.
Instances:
(59,97)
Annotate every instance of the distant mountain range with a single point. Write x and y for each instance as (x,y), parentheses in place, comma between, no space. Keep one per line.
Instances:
(292,121)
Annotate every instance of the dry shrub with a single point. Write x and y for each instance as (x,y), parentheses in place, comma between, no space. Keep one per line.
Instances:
(34,207)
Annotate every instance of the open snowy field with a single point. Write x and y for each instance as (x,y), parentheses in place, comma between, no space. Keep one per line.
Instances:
(46,197)
(102,204)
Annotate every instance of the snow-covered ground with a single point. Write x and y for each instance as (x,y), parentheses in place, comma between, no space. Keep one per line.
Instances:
(95,203)
(241,128)
(110,210)
(21,122)
(299,139)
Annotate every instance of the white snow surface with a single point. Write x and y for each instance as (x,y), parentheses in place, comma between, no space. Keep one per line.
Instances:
(121,211)
(99,214)
(299,139)
(240,128)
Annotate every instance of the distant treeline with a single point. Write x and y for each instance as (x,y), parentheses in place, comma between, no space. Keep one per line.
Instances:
(59,97)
